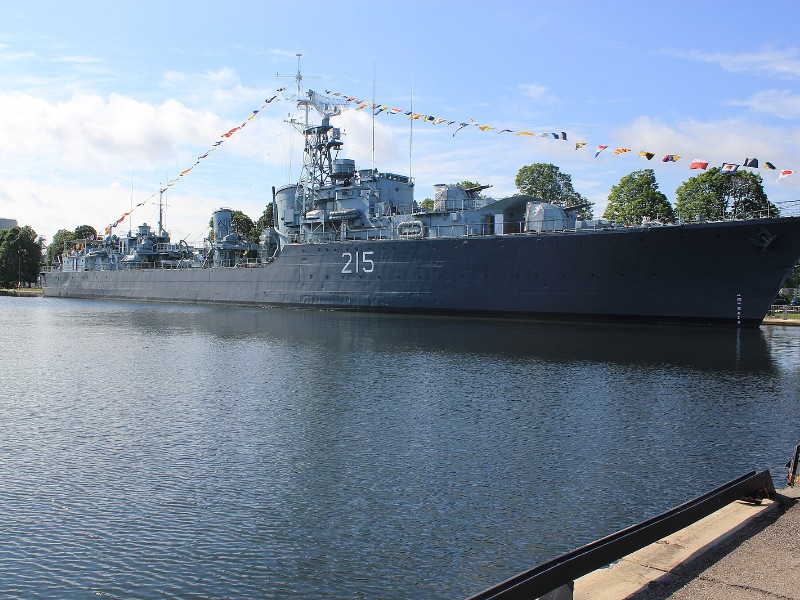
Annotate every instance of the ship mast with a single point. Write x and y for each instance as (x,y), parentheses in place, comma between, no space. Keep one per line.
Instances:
(309,180)
(299,81)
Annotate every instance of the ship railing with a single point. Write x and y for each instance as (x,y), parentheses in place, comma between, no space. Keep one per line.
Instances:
(458,230)
(166,247)
(331,234)
(101,267)
(454,230)
(765,213)
(249,262)
(227,263)
(789,208)
(370,234)
(150,266)
(178,263)
(559,226)
(233,263)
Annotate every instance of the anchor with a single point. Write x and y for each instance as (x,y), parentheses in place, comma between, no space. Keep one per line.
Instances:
(765,238)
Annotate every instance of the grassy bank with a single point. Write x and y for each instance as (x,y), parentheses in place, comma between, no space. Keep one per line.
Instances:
(21,292)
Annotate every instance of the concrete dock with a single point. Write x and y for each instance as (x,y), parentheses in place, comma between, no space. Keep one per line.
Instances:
(781,321)
(743,551)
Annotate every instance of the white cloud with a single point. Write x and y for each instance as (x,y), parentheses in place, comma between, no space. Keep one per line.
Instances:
(729,140)
(91,131)
(358,127)
(778,103)
(784,63)
(539,93)
(9,57)
(77,59)
(220,90)
(48,207)
(67,163)
(223,77)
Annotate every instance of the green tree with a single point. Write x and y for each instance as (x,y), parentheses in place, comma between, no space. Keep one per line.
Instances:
(793,280)
(63,236)
(20,255)
(265,220)
(426,204)
(85,232)
(242,224)
(546,182)
(466,185)
(635,197)
(716,195)
(56,247)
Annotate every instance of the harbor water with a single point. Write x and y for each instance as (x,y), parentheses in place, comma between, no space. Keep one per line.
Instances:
(157,451)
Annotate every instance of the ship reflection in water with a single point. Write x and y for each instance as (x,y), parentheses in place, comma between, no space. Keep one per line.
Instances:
(705,348)
(173,451)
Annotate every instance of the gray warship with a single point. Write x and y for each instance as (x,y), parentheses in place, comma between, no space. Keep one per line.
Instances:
(354,239)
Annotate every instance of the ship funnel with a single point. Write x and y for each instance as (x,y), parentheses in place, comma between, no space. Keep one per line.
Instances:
(222,223)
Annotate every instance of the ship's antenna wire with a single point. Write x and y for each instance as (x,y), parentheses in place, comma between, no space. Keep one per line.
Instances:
(161,209)
(289,150)
(373,117)
(298,78)
(130,218)
(411,132)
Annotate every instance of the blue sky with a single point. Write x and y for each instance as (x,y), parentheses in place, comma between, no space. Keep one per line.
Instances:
(102,103)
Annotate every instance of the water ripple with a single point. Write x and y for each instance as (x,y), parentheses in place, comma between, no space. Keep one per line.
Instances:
(170,452)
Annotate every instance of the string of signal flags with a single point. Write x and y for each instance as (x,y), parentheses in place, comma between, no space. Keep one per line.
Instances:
(213,148)
(555,135)
(337,101)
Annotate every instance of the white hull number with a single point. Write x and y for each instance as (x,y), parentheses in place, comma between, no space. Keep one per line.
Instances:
(356,263)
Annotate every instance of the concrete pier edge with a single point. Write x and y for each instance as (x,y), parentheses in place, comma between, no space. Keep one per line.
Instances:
(741,551)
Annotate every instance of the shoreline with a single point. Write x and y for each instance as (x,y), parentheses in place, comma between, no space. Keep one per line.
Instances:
(780,321)
(21,292)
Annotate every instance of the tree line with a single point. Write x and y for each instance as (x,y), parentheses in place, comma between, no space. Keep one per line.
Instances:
(20,257)
(712,195)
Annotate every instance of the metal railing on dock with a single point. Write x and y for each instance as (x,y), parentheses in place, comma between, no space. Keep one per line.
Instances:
(562,571)
(784,311)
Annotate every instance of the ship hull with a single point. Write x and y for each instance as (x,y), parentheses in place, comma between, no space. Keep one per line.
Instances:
(712,273)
